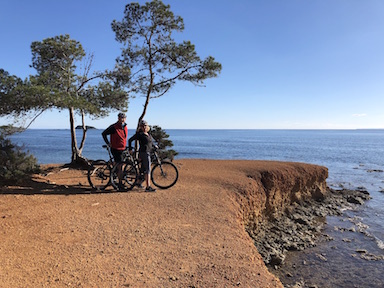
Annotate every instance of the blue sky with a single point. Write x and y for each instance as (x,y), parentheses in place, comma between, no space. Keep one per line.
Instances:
(287,64)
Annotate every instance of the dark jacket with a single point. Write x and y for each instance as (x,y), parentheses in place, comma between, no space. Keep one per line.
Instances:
(145,141)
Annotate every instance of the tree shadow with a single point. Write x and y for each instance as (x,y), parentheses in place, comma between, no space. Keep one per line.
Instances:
(31,187)
(57,180)
(44,183)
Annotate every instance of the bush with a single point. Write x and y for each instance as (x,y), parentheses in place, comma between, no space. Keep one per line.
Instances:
(163,142)
(16,165)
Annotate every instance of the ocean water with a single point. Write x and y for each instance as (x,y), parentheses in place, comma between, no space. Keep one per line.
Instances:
(354,158)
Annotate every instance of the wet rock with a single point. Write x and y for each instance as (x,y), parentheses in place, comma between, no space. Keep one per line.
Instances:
(321,257)
(298,227)
(277,259)
(355,200)
(371,257)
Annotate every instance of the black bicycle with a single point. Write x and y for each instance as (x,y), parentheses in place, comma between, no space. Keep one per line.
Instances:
(164,173)
(100,172)
(129,173)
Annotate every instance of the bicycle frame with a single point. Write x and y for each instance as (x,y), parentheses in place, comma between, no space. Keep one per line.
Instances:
(136,160)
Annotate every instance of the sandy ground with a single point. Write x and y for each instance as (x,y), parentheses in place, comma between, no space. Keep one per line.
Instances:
(56,232)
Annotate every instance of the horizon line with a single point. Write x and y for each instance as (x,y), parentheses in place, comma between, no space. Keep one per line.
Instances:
(222,128)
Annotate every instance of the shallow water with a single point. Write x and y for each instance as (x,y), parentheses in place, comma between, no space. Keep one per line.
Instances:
(341,262)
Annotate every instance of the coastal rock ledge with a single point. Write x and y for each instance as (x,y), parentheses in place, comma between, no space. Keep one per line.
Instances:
(56,232)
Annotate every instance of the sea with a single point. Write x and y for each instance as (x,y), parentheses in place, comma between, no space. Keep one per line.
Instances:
(353,253)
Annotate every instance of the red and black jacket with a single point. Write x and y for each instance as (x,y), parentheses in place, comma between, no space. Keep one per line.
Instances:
(118,134)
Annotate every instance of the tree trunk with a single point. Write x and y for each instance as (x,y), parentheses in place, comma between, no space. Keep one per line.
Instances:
(75,150)
(84,133)
(76,158)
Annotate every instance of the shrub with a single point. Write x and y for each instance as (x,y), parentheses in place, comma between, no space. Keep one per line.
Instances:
(163,142)
(16,165)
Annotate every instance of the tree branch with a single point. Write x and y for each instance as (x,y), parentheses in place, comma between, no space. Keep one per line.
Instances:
(34,118)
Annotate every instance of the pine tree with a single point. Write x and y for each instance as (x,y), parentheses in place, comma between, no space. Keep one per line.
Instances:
(163,142)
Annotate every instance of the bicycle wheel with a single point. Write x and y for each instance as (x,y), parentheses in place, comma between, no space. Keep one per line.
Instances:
(129,176)
(99,174)
(164,175)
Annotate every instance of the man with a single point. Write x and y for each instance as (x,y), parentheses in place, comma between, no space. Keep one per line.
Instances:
(118,141)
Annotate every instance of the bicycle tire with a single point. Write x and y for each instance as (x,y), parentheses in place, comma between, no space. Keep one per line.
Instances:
(99,174)
(164,175)
(129,176)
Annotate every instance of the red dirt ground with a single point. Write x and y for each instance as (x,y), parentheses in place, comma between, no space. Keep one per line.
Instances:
(56,232)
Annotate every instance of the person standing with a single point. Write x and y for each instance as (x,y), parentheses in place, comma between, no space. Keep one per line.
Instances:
(118,141)
(146,145)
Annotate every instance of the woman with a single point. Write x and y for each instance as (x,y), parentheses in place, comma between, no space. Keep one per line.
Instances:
(146,145)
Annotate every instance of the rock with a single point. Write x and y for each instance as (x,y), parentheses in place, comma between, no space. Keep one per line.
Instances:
(375,170)
(321,257)
(371,257)
(355,200)
(297,227)
(277,259)
(86,127)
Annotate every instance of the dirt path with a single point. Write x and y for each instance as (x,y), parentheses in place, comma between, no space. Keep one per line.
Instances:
(55,233)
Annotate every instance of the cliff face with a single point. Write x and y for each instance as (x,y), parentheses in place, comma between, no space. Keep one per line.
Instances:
(277,186)
(278,203)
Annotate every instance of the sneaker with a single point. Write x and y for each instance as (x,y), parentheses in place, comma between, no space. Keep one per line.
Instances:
(150,189)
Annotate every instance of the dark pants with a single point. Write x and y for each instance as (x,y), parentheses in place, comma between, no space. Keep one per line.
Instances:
(117,155)
(145,162)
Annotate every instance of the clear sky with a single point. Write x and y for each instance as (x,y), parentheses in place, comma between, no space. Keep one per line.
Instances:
(287,64)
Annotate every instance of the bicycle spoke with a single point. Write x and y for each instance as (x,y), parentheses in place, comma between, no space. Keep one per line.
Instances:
(128,176)
(164,175)
(99,175)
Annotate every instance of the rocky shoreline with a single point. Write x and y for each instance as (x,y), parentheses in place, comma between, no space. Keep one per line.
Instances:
(300,225)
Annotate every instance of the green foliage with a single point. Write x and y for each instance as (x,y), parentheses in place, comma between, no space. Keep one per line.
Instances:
(56,61)
(16,165)
(9,100)
(154,58)
(63,81)
(163,142)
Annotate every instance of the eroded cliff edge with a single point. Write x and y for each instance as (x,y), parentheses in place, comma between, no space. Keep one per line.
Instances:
(284,206)
(267,193)
(279,207)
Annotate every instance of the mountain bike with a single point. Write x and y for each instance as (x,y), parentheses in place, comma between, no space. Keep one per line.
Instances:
(129,177)
(164,174)
(99,172)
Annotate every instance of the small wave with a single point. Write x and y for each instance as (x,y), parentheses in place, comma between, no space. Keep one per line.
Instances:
(380,243)
(363,228)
